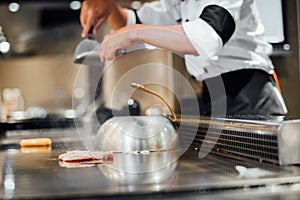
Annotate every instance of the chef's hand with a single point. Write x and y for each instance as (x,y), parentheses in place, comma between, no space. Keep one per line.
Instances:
(94,12)
(117,41)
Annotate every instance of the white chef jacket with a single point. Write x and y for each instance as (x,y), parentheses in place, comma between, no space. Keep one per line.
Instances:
(246,48)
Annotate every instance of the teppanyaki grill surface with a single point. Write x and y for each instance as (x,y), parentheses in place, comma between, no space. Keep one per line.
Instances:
(39,175)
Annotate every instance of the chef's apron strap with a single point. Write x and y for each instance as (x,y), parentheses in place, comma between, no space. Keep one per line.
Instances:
(275,79)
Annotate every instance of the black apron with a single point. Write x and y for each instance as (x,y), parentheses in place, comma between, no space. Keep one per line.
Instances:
(247,92)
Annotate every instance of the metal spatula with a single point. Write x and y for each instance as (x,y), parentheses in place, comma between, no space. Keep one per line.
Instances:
(87,51)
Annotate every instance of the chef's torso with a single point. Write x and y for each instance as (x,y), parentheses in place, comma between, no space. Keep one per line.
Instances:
(245,49)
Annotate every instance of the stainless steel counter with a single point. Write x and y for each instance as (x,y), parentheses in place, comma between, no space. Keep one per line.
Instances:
(39,175)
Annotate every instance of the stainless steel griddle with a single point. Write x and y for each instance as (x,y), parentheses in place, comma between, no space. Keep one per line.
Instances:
(39,175)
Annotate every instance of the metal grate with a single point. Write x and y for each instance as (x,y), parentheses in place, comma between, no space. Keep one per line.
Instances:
(243,139)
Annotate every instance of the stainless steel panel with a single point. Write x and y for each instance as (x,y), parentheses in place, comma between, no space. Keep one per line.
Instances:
(289,142)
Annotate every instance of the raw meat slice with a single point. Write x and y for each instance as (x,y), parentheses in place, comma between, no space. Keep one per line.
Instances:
(80,156)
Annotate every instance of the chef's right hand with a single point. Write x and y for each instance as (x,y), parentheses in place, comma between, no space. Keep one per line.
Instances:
(94,13)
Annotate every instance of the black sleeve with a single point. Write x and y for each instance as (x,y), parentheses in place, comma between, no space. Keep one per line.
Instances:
(220,20)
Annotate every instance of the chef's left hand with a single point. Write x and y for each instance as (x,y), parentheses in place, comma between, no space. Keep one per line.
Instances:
(116,41)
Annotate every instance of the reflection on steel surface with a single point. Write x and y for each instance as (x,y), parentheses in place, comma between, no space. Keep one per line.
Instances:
(139,168)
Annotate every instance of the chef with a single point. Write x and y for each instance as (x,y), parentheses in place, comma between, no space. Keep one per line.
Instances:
(228,33)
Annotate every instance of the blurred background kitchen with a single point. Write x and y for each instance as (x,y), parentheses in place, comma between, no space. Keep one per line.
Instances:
(38,39)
